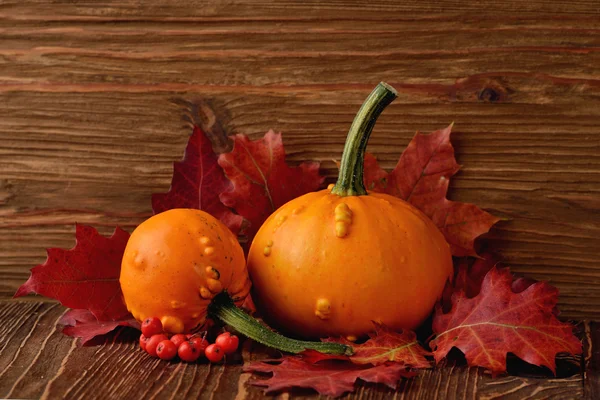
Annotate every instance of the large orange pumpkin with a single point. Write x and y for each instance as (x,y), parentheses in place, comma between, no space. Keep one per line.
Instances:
(331,262)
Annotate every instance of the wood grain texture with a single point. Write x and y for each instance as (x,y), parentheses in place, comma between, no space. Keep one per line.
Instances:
(37,361)
(93,114)
(97,100)
(591,354)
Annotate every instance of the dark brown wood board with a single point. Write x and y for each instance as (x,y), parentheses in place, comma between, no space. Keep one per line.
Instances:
(97,100)
(38,361)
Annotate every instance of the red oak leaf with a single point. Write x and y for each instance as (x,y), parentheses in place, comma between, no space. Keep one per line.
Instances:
(198,180)
(499,321)
(82,324)
(375,178)
(382,346)
(467,278)
(312,356)
(262,181)
(521,284)
(461,224)
(386,345)
(422,173)
(421,177)
(329,378)
(470,277)
(84,277)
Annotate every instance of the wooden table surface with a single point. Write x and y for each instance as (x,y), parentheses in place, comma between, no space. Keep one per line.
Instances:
(97,100)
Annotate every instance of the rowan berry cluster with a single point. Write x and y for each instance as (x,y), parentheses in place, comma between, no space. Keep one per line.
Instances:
(188,347)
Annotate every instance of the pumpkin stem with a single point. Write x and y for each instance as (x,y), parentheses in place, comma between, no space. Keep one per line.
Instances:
(350,178)
(223,308)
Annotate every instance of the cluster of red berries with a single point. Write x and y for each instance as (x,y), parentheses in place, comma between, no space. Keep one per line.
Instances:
(189,348)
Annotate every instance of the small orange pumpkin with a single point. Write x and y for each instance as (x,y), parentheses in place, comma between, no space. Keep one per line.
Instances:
(175,263)
(331,262)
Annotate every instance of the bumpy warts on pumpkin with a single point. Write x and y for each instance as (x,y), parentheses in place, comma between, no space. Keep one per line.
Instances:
(329,263)
(175,263)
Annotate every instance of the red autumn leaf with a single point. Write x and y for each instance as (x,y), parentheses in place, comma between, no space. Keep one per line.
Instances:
(262,181)
(84,277)
(499,321)
(82,324)
(312,356)
(422,173)
(521,284)
(386,345)
(470,277)
(466,278)
(198,180)
(421,177)
(382,346)
(461,224)
(330,378)
(375,178)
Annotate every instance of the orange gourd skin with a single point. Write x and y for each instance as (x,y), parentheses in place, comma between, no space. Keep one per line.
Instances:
(175,263)
(390,265)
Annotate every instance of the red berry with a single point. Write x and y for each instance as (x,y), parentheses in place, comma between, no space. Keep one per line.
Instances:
(214,353)
(166,350)
(178,339)
(200,343)
(143,341)
(153,342)
(228,342)
(188,352)
(151,326)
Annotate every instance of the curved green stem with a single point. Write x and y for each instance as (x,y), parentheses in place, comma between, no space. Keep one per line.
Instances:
(223,308)
(350,178)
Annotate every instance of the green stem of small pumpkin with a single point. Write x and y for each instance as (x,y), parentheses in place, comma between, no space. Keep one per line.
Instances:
(223,308)
(350,178)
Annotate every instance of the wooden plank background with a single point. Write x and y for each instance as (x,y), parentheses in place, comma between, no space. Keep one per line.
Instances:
(97,100)
(40,362)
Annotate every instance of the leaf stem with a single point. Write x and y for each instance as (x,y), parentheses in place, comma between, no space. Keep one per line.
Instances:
(223,308)
(350,178)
